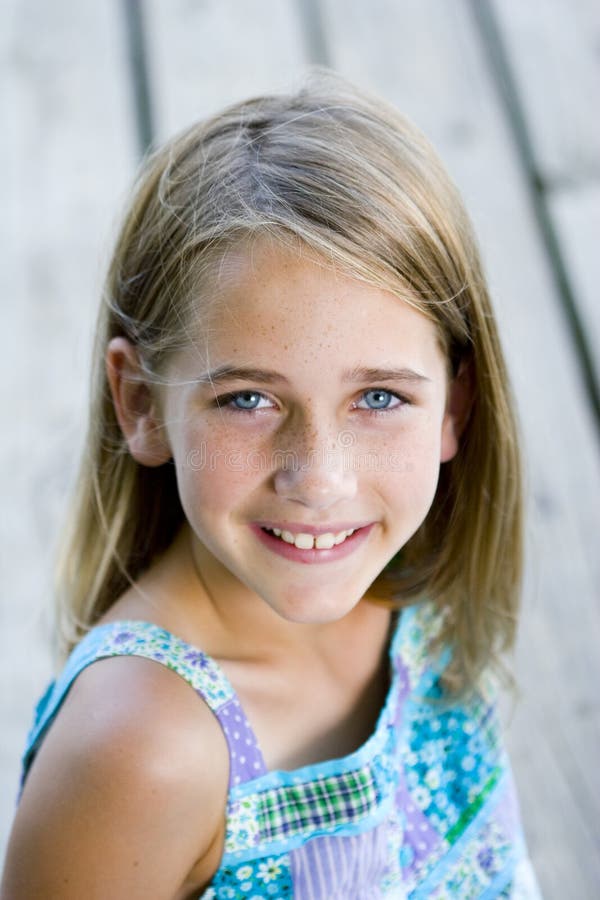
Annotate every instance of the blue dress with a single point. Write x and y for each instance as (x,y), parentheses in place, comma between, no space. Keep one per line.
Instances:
(426,808)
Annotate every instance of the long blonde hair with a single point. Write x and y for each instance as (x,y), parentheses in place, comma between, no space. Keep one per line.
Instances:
(348,176)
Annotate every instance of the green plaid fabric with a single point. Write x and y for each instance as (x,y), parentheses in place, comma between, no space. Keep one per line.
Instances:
(324,803)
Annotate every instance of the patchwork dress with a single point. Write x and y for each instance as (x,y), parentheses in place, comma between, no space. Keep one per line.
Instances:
(426,808)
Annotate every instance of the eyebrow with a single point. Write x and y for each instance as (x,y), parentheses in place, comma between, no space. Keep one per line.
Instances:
(364,373)
(267,376)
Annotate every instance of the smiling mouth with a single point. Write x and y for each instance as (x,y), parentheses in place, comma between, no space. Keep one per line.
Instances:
(304,541)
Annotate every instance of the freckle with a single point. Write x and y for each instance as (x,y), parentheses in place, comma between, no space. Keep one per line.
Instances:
(136,862)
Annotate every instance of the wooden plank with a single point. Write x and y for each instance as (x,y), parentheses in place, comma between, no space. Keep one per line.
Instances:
(576,215)
(552,46)
(205,55)
(554,58)
(557,863)
(424,57)
(70,152)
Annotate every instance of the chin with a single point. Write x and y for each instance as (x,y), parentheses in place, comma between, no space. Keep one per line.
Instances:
(314,610)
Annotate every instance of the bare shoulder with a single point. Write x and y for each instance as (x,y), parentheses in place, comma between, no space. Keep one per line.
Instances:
(126,797)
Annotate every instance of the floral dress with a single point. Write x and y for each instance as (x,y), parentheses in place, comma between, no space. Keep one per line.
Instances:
(426,808)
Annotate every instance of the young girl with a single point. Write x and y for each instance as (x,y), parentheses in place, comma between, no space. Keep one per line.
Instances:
(300,498)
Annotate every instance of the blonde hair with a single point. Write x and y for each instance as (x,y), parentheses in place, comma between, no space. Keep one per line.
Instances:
(346,175)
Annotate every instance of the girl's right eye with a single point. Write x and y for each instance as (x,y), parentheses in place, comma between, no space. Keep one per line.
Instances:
(244,401)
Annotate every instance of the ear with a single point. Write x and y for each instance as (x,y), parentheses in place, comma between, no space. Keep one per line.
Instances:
(459,403)
(135,404)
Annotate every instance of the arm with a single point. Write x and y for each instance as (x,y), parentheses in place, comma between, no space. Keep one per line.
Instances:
(126,797)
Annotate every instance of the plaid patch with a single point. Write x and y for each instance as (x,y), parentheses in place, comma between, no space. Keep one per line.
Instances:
(325,803)
(322,805)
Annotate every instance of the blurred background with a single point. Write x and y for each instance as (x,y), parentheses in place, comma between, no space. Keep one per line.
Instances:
(506,90)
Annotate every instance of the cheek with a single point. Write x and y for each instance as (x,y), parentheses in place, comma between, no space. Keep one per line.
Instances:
(409,482)
(409,451)
(406,469)
(215,471)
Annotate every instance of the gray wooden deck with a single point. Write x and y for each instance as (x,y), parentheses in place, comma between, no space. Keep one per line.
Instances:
(506,90)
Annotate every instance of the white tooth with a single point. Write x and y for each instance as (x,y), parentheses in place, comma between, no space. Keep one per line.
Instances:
(325,541)
(287,536)
(341,536)
(348,533)
(304,541)
(276,531)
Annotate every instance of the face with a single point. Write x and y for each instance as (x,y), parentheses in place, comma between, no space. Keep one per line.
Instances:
(301,477)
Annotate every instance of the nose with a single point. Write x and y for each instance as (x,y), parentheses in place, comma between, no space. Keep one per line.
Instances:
(316,471)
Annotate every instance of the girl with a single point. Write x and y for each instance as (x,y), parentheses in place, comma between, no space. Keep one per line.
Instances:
(301,498)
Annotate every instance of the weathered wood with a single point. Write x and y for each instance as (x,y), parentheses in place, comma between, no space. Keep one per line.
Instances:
(205,55)
(576,214)
(70,152)
(424,57)
(553,51)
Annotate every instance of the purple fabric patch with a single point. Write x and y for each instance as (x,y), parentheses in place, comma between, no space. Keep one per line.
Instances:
(507,813)
(403,691)
(245,759)
(349,867)
(420,839)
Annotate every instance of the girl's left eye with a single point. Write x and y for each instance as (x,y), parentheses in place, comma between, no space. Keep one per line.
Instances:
(378,399)
(246,401)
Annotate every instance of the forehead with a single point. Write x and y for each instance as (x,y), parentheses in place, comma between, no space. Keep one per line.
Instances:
(276,302)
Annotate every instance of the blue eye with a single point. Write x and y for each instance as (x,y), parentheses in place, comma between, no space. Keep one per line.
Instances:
(246,401)
(380,399)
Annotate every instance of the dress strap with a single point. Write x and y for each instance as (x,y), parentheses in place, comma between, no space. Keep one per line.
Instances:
(138,638)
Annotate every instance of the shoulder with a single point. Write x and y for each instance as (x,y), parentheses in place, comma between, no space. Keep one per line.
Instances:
(131,703)
(129,786)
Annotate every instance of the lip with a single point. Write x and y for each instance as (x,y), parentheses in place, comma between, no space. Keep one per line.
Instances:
(314,556)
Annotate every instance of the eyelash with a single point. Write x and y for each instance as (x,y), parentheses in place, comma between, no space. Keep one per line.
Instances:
(226,401)
(402,401)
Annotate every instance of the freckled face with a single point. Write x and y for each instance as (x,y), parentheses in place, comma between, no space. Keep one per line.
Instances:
(312,440)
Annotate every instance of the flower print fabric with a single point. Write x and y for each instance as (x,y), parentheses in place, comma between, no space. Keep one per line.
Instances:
(426,808)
